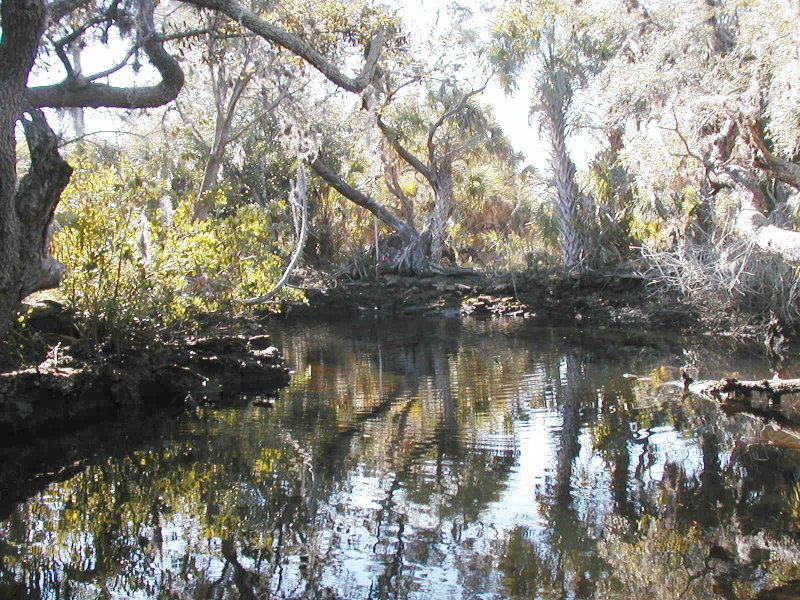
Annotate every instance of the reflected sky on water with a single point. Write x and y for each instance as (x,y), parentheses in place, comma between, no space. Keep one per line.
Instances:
(418,458)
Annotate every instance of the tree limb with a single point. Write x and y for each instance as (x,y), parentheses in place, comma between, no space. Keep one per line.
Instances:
(60,8)
(78,92)
(406,231)
(786,171)
(298,46)
(394,187)
(394,140)
(300,194)
(441,120)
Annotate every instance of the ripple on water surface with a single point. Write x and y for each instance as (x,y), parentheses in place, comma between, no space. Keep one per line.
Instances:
(422,458)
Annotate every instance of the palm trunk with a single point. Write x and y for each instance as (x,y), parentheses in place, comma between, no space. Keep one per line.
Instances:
(571,240)
(442,211)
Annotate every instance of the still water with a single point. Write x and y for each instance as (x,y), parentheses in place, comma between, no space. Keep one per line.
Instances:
(444,458)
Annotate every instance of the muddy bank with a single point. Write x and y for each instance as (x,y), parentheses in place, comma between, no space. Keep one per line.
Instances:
(592,300)
(63,393)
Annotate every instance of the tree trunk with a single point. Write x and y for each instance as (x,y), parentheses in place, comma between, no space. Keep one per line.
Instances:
(203,204)
(571,238)
(442,211)
(751,222)
(226,101)
(414,257)
(25,209)
(26,231)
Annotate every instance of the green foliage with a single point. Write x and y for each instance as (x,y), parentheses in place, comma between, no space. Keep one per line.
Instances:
(136,265)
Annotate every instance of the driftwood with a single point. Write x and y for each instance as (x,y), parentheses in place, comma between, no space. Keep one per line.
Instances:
(773,388)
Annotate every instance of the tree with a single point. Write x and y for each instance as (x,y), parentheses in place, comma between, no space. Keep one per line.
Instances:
(232,65)
(461,128)
(556,42)
(710,113)
(431,126)
(429,141)
(34,32)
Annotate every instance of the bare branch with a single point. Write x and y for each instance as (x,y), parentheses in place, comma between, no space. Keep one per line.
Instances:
(60,8)
(469,144)
(459,106)
(298,46)
(677,131)
(394,139)
(113,69)
(272,106)
(406,231)
(786,171)
(84,93)
(394,187)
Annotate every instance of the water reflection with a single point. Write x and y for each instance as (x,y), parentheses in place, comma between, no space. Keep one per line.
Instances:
(421,458)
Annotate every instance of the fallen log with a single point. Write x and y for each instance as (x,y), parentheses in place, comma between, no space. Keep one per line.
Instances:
(773,388)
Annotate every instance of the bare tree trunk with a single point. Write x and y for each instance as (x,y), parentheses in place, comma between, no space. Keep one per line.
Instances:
(25,209)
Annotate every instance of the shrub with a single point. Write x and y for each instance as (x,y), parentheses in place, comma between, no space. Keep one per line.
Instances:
(137,264)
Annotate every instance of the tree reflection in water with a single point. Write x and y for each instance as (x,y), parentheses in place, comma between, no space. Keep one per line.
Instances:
(418,458)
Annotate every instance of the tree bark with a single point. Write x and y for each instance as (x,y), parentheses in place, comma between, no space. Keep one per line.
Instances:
(414,258)
(769,238)
(226,101)
(571,239)
(443,208)
(26,208)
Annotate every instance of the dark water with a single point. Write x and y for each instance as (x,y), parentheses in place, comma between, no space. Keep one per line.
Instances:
(432,459)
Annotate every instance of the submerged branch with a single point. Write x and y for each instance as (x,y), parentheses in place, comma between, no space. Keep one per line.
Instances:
(773,389)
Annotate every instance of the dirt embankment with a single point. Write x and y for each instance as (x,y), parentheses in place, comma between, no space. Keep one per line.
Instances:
(62,393)
(592,300)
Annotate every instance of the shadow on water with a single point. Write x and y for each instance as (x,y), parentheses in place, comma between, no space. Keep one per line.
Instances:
(416,458)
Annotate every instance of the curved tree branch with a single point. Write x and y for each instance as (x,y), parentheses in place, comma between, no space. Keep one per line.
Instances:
(60,8)
(404,230)
(298,46)
(300,195)
(394,139)
(787,172)
(458,107)
(77,92)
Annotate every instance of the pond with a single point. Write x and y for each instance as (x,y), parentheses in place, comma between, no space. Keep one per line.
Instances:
(420,458)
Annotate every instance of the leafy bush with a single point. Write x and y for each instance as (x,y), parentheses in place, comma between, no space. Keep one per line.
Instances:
(136,264)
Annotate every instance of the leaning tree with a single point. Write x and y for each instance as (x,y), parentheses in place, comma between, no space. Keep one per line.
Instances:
(36,34)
